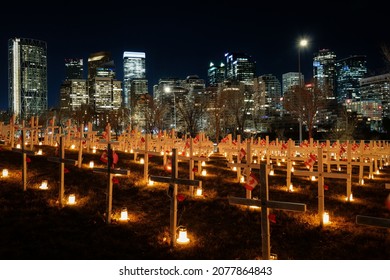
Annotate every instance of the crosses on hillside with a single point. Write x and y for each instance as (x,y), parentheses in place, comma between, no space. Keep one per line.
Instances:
(62,160)
(173,188)
(265,205)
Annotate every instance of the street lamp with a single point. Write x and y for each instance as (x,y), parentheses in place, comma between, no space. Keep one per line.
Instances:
(168,90)
(302,44)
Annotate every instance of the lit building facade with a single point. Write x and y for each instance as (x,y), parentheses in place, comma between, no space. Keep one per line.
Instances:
(27,77)
(290,79)
(240,67)
(73,94)
(350,71)
(74,68)
(135,83)
(324,70)
(272,93)
(216,74)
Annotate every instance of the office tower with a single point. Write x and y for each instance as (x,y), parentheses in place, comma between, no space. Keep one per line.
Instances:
(27,77)
(216,74)
(104,90)
(272,93)
(290,79)
(324,70)
(73,94)
(134,78)
(350,71)
(377,89)
(240,67)
(73,68)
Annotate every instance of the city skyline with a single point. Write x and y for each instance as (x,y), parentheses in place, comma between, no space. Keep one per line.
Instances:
(180,41)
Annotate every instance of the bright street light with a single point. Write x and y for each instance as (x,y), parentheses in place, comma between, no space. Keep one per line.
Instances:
(302,44)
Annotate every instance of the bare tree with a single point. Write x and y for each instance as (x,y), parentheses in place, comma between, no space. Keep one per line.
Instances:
(304,102)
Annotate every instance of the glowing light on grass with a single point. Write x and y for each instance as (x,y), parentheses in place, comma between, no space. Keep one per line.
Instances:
(91,164)
(17,146)
(325,218)
(203,163)
(291,188)
(94,150)
(242,179)
(72,199)
(72,146)
(255,161)
(313,178)
(272,172)
(199,191)
(124,215)
(40,143)
(141,161)
(350,198)
(234,168)
(44,185)
(150,182)
(5,173)
(377,172)
(39,152)
(292,169)
(183,239)
(204,172)
(362,182)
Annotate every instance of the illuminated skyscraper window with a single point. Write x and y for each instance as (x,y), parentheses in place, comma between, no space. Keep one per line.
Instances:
(27,77)
(134,78)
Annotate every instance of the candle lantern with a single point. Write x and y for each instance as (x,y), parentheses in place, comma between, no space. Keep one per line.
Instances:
(182,239)
(43,185)
(5,173)
(124,215)
(72,199)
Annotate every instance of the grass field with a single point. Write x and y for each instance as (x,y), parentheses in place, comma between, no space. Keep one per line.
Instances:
(33,226)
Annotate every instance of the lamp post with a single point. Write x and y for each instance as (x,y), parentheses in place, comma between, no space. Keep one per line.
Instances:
(302,44)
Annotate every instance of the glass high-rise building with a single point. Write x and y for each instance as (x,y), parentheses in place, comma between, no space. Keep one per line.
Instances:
(27,77)
(350,71)
(324,70)
(73,68)
(240,67)
(134,78)
(215,74)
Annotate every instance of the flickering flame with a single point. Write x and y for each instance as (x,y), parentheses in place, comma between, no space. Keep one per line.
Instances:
(203,163)
(40,143)
(292,169)
(362,182)
(5,173)
(17,146)
(204,172)
(350,198)
(43,185)
(72,146)
(39,152)
(183,239)
(234,168)
(150,183)
(91,164)
(141,161)
(94,150)
(199,191)
(313,178)
(291,188)
(325,218)
(72,199)
(124,216)
(271,172)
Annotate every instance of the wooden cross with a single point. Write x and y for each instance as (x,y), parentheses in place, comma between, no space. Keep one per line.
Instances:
(372,221)
(192,158)
(247,166)
(174,181)
(110,171)
(62,160)
(24,153)
(322,175)
(265,205)
(146,152)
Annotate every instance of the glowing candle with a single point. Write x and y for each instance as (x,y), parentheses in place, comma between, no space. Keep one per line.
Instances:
(91,164)
(5,173)
(183,239)
(43,185)
(141,160)
(199,191)
(204,172)
(72,199)
(325,218)
(39,152)
(124,215)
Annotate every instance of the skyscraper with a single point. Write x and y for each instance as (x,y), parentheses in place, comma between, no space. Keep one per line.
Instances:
(240,67)
(350,71)
(134,78)
(215,74)
(324,70)
(73,68)
(27,77)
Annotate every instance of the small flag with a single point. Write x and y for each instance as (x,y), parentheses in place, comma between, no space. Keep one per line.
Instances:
(180,197)
(28,160)
(104,157)
(196,139)
(142,140)
(310,161)
(195,169)
(66,170)
(115,180)
(252,182)
(242,153)
(326,187)
(284,146)
(272,218)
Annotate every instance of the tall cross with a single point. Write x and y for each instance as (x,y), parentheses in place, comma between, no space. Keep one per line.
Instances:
(146,152)
(192,158)
(265,205)
(247,166)
(62,160)
(24,153)
(110,171)
(321,175)
(173,187)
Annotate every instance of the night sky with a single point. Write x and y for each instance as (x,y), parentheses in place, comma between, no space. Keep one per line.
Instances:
(180,38)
